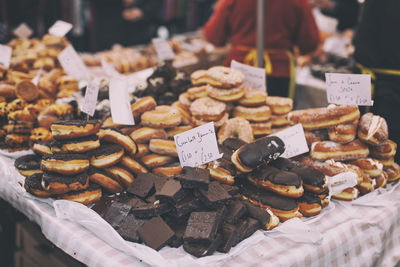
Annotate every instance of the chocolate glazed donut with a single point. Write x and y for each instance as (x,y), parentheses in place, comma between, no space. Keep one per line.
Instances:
(28,165)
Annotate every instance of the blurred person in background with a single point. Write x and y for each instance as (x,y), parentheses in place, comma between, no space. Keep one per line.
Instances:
(288,24)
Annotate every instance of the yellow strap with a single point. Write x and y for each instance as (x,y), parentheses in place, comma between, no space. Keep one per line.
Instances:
(292,82)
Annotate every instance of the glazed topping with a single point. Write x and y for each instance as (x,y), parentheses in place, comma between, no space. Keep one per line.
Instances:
(49,177)
(277,176)
(28,162)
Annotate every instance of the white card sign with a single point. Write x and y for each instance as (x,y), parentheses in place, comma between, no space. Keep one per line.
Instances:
(197,146)
(36,79)
(60,28)
(341,181)
(348,89)
(294,139)
(91,94)
(5,55)
(73,64)
(163,49)
(23,31)
(254,77)
(121,111)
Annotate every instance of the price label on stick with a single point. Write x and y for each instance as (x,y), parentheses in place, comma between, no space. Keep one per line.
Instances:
(348,89)
(23,31)
(73,64)
(197,146)
(294,139)
(60,28)
(5,55)
(90,101)
(110,70)
(163,49)
(121,111)
(341,181)
(254,77)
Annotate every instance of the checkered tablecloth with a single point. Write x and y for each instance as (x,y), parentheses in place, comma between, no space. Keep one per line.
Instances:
(345,234)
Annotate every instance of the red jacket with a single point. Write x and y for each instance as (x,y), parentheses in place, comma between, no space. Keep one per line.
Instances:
(288,23)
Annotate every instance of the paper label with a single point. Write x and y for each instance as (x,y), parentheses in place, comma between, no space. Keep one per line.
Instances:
(348,89)
(121,111)
(90,101)
(5,55)
(294,139)
(23,31)
(197,146)
(163,49)
(254,77)
(60,28)
(341,181)
(36,79)
(73,64)
(110,70)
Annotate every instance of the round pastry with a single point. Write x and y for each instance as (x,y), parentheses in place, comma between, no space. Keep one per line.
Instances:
(198,77)
(261,128)
(317,118)
(65,163)
(184,99)
(21,115)
(163,147)
(86,197)
(54,113)
(15,141)
(381,180)
(348,194)
(16,104)
(325,150)
(132,165)
(105,180)
(109,123)
(373,129)
(142,105)
(56,183)
(145,134)
(370,166)
(385,150)
(27,91)
(367,185)
(78,145)
(162,117)
(142,150)
(106,155)
(196,93)
(123,175)
(393,172)
(253,98)
(169,169)
(258,114)
(28,165)
(154,160)
(7,91)
(385,162)
(217,124)
(279,120)
(33,185)
(222,170)
(315,136)
(171,132)
(74,129)
(223,77)
(225,95)
(343,133)
(116,137)
(310,205)
(207,109)
(236,127)
(279,105)
(185,112)
(41,134)
(41,148)
(18,128)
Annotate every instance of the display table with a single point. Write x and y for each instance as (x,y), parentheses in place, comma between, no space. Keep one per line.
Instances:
(365,232)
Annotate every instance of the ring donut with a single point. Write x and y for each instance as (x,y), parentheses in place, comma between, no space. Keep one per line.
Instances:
(105,180)
(86,197)
(225,95)
(76,145)
(223,77)
(116,137)
(207,109)
(257,114)
(236,127)
(56,183)
(261,128)
(279,105)
(28,165)
(33,185)
(145,134)
(74,129)
(162,117)
(194,93)
(253,98)
(67,164)
(106,155)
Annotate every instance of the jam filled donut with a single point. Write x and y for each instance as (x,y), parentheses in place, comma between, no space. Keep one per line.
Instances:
(162,117)
(225,95)
(370,166)
(123,175)
(28,165)
(349,194)
(386,162)
(197,92)
(142,105)
(155,160)
(76,145)
(261,128)
(171,169)
(223,77)
(177,130)
(74,129)
(65,163)
(207,109)
(236,127)
(279,105)
(222,170)
(373,129)
(330,150)
(253,98)
(310,205)
(279,120)
(132,165)
(55,183)
(393,172)
(142,150)
(367,185)
(318,118)
(385,150)
(281,182)
(86,197)
(105,180)
(33,185)
(106,155)
(163,147)
(250,156)
(324,196)
(145,134)
(381,180)
(116,137)
(315,136)
(41,148)
(257,114)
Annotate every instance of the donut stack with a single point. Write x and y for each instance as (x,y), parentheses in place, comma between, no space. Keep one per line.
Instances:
(280,108)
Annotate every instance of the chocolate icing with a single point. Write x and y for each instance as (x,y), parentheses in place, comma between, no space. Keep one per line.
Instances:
(106,149)
(28,162)
(309,199)
(34,181)
(59,143)
(227,152)
(77,122)
(66,157)
(224,164)
(276,176)
(155,233)
(128,228)
(50,177)
(233,143)
(192,177)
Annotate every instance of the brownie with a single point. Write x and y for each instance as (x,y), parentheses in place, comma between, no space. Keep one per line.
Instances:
(171,191)
(258,213)
(135,202)
(241,228)
(188,204)
(214,195)
(153,209)
(230,237)
(101,206)
(142,185)
(155,233)
(199,249)
(159,180)
(128,228)
(116,213)
(179,227)
(236,209)
(252,225)
(202,226)
(231,189)
(192,177)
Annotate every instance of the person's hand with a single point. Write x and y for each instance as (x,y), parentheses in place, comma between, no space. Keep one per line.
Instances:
(132,14)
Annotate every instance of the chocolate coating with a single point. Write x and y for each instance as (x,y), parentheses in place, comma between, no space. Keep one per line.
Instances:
(34,181)
(28,162)
(276,176)
(233,143)
(77,122)
(309,199)
(59,143)
(66,157)
(50,177)
(106,149)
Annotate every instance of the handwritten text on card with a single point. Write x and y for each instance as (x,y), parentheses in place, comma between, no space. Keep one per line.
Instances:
(294,139)
(254,77)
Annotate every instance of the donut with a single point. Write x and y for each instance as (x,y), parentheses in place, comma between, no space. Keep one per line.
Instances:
(161,117)
(261,215)
(145,134)
(53,113)
(109,123)
(132,165)
(370,166)
(253,98)
(315,136)
(194,93)
(116,137)
(381,180)
(184,99)
(163,147)
(171,169)
(105,180)
(372,129)
(309,205)
(385,150)
(198,77)
(393,172)
(76,145)
(236,127)
(106,155)
(40,134)
(67,164)
(33,185)
(386,162)
(324,196)
(217,124)
(154,160)
(279,105)
(349,194)
(18,128)
(261,128)
(7,91)
(207,109)
(225,95)
(279,120)
(324,150)
(185,112)
(41,148)
(142,105)
(123,175)
(367,185)
(56,184)
(171,132)
(74,129)
(142,150)
(27,91)
(257,114)
(223,77)
(318,118)
(343,133)
(222,170)
(263,150)
(28,165)
(86,197)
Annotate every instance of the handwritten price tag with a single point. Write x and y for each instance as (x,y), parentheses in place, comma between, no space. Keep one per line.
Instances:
(294,139)
(197,146)
(348,89)
(121,111)
(254,77)
(5,55)
(73,64)
(90,101)
(163,49)
(341,181)
(23,31)
(60,28)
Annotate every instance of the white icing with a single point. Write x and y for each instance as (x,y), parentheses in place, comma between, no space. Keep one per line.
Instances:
(374,126)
